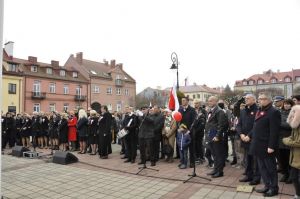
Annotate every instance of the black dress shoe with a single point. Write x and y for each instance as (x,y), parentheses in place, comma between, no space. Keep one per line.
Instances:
(270,193)
(254,182)
(217,175)
(141,163)
(124,157)
(127,161)
(153,164)
(245,179)
(212,172)
(263,190)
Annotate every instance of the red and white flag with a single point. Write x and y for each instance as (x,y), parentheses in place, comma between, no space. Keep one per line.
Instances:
(173,101)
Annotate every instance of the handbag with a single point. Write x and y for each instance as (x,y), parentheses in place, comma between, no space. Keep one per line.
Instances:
(123,132)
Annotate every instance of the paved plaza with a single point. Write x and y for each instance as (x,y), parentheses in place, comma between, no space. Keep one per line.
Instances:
(94,178)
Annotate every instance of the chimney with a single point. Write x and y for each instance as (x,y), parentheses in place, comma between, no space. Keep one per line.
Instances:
(79,57)
(54,63)
(9,48)
(113,63)
(120,66)
(32,59)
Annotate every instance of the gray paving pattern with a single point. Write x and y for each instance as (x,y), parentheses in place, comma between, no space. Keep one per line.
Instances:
(50,180)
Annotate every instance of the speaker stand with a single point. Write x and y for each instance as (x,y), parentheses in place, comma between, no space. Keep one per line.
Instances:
(145,167)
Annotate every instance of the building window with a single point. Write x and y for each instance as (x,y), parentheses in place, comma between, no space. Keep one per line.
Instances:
(119,107)
(51,107)
(36,108)
(66,89)
(12,88)
(287,79)
(273,80)
(75,74)
(109,91)
(12,109)
(78,91)
(66,107)
(260,81)
(62,73)
(12,67)
(37,86)
(244,83)
(109,107)
(251,82)
(198,96)
(96,89)
(49,71)
(52,88)
(118,91)
(194,96)
(297,79)
(126,92)
(34,69)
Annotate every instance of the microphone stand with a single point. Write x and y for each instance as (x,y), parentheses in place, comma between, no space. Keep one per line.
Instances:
(194,174)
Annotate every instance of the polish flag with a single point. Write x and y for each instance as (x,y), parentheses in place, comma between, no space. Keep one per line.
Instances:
(173,101)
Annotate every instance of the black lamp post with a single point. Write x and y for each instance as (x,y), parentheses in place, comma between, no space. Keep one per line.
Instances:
(174,59)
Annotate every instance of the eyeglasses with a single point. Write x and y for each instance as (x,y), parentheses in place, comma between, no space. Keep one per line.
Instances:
(262,98)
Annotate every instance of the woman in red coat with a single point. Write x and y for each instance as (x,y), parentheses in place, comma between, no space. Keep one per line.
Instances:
(72,133)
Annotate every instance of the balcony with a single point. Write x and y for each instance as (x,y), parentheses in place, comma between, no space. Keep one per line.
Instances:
(119,82)
(80,98)
(38,95)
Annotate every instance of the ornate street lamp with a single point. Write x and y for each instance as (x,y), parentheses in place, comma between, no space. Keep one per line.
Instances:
(174,59)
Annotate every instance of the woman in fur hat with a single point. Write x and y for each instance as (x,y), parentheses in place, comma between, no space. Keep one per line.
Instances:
(294,143)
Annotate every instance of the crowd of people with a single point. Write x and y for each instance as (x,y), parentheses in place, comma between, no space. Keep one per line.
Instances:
(263,133)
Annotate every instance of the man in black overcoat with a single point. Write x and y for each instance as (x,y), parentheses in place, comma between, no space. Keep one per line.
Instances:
(244,128)
(264,144)
(188,117)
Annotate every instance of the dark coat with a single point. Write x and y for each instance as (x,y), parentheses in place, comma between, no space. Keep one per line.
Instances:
(188,116)
(36,126)
(246,122)
(82,127)
(285,128)
(265,133)
(200,122)
(105,124)
(3,125)
(45,125)
(146,130)
(133,125)
(217,122)
(158,125)
(93,126)
(63,130)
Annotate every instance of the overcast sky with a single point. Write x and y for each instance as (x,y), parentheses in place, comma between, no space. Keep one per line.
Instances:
(217,41)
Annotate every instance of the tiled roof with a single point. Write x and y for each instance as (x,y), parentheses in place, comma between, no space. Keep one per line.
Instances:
(267,76)
(197,88)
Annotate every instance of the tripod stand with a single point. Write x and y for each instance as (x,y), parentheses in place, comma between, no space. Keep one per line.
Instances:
(145,167)
(194,174)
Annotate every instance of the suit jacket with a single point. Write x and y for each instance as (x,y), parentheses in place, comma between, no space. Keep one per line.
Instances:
(216,121)
(105,124)
(265,132)
(188,116)
(146,130)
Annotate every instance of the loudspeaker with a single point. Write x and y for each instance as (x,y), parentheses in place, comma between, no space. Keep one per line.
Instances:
(61,157)
(18,151)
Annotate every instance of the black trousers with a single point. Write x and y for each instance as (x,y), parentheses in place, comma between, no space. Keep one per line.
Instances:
(146,144)
(156,146)
(192,148)
(103,145)
(208,154)
(131,145)
(217,149)
(199,145)
(252,170)
(295,176)
(268,171)
(9,138)
(225,141)
(283,158)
